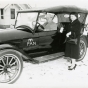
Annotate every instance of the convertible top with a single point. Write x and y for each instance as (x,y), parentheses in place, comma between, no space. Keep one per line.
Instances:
(57,9)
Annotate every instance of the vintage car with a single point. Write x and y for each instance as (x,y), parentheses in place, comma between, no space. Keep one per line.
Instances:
(27,40)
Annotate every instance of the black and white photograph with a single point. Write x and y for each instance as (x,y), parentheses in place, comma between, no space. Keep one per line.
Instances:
(43,44)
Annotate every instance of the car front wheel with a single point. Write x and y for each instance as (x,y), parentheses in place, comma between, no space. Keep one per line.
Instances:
(11,66)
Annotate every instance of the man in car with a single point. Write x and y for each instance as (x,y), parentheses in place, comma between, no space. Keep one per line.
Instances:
(49,24)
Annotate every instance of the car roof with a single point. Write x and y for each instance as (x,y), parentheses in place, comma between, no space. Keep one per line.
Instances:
(57,9)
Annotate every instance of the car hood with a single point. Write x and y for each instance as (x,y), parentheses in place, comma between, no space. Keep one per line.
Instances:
(13,34)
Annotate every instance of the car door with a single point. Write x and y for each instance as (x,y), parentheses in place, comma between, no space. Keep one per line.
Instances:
(46,39)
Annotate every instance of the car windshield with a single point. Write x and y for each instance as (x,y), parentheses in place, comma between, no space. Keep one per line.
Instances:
(43,17)
(28,19)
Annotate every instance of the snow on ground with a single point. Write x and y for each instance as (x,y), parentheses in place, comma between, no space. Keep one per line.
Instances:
(54,73)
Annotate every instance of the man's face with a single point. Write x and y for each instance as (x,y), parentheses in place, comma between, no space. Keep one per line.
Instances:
(49,18)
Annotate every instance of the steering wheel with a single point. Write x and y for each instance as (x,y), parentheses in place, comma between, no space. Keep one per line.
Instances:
(39,25)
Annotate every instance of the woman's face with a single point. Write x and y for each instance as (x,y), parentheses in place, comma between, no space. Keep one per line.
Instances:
(73,17)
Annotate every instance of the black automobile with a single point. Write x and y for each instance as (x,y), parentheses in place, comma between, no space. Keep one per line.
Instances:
(26,40)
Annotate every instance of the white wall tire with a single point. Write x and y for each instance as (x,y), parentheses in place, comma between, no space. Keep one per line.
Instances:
(83,49)
(11,66)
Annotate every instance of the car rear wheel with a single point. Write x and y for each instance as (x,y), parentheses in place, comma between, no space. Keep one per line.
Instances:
(11,66)
(83,49)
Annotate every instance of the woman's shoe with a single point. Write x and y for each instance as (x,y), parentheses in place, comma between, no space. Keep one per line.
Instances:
(69,68)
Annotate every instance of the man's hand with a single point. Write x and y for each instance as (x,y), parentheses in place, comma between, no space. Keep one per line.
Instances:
(69,33)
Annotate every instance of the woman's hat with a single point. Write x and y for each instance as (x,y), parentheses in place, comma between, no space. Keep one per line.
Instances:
(75,14)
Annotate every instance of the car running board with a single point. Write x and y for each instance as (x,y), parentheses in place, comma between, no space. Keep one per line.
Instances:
(49,57)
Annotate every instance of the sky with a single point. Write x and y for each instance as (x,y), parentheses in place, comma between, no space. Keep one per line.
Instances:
(49,3)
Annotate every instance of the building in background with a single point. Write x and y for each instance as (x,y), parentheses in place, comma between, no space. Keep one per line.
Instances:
(8,13)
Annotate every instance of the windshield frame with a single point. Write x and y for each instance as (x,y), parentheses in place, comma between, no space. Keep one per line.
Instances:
(33,29)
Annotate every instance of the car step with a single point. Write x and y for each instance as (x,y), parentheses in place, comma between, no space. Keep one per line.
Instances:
(49,57)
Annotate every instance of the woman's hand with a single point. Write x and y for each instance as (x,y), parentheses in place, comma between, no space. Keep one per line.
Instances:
(69,33)
(61,30)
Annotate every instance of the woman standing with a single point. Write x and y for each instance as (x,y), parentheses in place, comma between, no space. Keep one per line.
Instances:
(72,50)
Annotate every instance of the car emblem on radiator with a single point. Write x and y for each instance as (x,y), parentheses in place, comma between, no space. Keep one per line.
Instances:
(31,42)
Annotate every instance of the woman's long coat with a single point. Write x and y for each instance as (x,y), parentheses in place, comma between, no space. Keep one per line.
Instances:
(72,50)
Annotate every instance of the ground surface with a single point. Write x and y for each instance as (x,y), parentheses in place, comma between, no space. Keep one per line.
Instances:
(54,74)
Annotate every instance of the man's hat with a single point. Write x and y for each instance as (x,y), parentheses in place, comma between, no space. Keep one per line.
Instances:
(49,16)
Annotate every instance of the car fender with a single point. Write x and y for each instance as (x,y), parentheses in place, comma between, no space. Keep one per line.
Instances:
(24,56)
